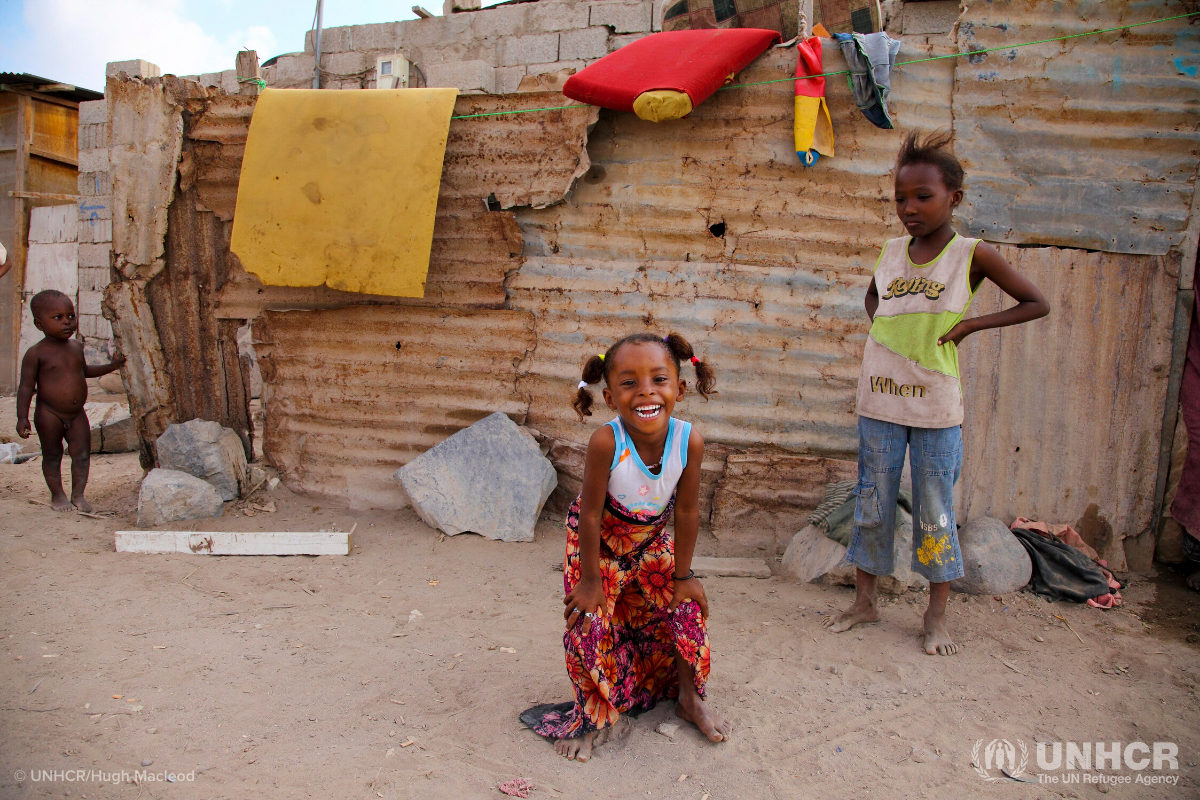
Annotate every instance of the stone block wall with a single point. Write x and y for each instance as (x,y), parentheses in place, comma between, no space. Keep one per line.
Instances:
(95,220)
(501,44)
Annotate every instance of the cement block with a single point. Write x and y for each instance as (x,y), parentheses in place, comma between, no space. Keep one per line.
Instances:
(440,31)
(94,255)
(382,36)
(92,326)
(93,112)
(137,68)
(585,43)
(494,23)
(557,16)
(95,208)
(94,184)
(622,17)
(93,278)
(453,6)
(95,231)
(292,71)
(466,76)
(617,42)
(89,302)
(538,49)
(656,13)
(929,18)
(547,69)
(333,40)
(344,65)
(93,160)
(508,79)
(93,136)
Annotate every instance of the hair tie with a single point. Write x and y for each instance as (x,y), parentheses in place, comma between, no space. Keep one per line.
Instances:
(583,384)
(695,361)
(601,356)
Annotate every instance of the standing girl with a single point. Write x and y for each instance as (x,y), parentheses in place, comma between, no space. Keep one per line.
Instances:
(909,396)
(635,611)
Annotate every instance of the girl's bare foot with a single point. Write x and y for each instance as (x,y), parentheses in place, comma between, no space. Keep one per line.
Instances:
(59,502)
(937,638)
(691,708)
(579,749)
(81,504)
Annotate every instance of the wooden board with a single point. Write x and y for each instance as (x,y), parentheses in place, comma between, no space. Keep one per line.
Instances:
(231,543)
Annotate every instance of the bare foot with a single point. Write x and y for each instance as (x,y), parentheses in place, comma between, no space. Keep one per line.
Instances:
(691,708)
(1193,581)
(859,611)
(579,749)
(59,502)
(937,638)
(82,505)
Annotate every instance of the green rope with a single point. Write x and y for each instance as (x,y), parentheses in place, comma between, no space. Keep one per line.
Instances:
(847,72)
(261,83)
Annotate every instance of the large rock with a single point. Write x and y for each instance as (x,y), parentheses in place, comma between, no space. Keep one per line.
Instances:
(811,554)
(207,451)
(168,495)
(113,430)
(490,479)
(994,561)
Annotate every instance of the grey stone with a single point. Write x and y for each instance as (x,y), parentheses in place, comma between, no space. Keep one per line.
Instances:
(9,452)
(902,577)
(994,561)
(811,554)
(586,43)
(489,479)
(113,429)
(168,495)
(207,451)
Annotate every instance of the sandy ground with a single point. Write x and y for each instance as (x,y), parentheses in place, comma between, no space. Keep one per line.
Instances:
(303,677)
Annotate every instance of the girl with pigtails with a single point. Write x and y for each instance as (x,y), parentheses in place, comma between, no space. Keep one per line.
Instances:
(635,611)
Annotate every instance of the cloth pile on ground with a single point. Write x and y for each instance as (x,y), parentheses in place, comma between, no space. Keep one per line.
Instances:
(1065,567)
(835,516)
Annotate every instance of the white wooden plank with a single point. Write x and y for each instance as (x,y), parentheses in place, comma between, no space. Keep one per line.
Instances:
(52,224)
(232,543)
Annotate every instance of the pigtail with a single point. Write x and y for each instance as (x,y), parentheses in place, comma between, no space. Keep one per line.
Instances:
(682,351)
(593,372)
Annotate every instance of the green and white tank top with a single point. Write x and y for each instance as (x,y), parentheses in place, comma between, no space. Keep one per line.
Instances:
(906,377)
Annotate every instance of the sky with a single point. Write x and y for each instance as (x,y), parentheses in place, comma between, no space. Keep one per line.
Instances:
(70,41)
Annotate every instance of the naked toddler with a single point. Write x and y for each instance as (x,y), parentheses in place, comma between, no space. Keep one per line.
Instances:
(56,368)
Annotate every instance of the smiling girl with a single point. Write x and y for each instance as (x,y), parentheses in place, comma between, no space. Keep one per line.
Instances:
(635,612)
(909,396)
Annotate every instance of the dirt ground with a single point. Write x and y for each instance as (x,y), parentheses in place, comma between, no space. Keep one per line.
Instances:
(310,677)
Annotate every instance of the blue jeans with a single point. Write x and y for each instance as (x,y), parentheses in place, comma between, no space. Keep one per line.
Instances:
(936,456)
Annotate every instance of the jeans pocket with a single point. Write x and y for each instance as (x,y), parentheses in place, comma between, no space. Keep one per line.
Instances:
(866,508)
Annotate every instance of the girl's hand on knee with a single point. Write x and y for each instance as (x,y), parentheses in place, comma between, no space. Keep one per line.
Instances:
(691,589)
(584,601)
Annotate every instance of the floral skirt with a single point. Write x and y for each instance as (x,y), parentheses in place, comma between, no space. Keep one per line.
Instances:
(626,662)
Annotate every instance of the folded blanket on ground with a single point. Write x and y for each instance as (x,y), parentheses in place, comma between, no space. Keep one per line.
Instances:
(1070,537)
(835,516)
(1061,572)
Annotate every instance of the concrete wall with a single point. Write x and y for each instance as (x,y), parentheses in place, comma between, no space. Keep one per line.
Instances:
(505,43)
(95,227)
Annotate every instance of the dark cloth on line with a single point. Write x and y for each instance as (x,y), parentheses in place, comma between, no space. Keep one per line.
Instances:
(1061,572)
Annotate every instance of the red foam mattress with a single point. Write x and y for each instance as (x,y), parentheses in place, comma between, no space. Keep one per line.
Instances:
(694,62)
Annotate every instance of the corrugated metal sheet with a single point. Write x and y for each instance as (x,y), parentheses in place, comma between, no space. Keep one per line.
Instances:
(524,159)
(351,394)
(1064,414)
(775,304)
(1091,142)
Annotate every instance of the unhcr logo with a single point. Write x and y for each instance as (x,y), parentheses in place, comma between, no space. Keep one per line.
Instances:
(999,756)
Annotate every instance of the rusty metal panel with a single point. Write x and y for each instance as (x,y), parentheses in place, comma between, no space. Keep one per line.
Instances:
(1064,414)
(1089,142)
(351,394)
(774,302)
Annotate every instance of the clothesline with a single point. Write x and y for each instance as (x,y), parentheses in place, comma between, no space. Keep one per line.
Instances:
(847,72)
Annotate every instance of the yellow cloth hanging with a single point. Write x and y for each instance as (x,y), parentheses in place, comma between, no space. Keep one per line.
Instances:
(660,105)
(340,188)
(813,128)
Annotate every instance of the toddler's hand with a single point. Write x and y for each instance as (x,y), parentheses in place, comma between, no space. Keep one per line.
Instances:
(118,360)
(587,598)
(23,428)
(691,589)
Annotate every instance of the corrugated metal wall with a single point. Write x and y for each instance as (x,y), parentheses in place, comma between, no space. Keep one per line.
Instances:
(1090,142)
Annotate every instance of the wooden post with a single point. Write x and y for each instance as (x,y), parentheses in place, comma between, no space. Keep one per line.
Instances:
(248,73)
